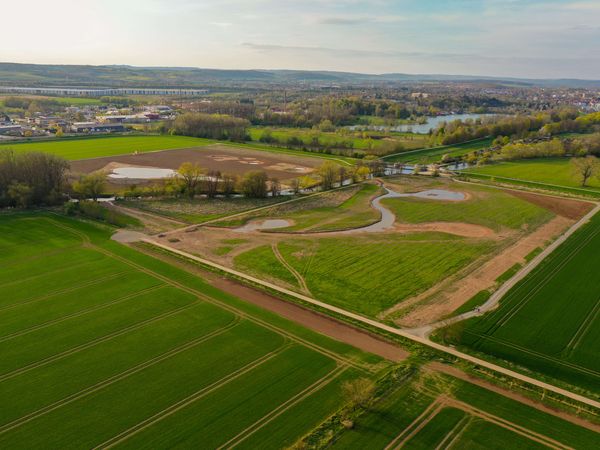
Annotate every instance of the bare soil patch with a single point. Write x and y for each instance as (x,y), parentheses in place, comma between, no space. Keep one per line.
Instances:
(456,228)
(310,319)
(443,300)
(216,157)
(565,207)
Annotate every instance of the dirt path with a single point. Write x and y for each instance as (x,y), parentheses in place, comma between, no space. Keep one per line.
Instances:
(305,317)
(484,277)
(152,222)
(457,373)
(297,275)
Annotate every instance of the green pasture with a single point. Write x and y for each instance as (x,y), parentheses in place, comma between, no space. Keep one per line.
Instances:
(549,173)
(549,322)
(368,274)
(488,207)
(104,345)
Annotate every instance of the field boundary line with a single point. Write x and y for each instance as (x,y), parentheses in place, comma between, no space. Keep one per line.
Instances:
(590,191)
(183,403)
(118,377)
(288,266)
(80,313)
(584,328)
(455,434)
(63,291)
(418,424)
(225,306)
(94,342)
(536,354)
(387,328)
(507,424)
(283,407)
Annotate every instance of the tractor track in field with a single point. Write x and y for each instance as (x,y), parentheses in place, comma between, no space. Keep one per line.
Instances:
(93,342)
(288,266)
(283,407)
(63,291)
(79,313)
(183,403)
(118,377)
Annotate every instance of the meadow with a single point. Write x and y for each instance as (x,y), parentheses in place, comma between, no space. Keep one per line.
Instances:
(74,149)
(549,322)
(367,274)
(434,410)
(547,173)
(433,155)
(105,346)
(484,206)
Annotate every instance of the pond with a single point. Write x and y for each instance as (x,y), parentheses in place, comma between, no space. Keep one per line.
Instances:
(421,128)
(269,224)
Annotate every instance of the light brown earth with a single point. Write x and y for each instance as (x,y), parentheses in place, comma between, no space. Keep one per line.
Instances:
(571,209)
(456,228)
(308,318)
(443,300)
(227,159)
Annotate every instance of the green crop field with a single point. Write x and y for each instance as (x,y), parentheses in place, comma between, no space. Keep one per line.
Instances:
(488,207)
(549,173)
(550,321)
(433,155)
(104,346)
(74,149)
(432,410)
(368,274)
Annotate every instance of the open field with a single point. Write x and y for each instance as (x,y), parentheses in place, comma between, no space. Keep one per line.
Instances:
(357,139)
(387,273)
(432,155)
(547,173)
(225,158)
(103,345)
(549,322)
(67,101)
(434,410)
(75,149)
(484,206)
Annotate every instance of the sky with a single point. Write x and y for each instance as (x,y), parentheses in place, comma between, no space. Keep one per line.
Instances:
(520,38)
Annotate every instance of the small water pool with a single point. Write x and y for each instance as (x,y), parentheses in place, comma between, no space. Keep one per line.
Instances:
(269,224)
(141,173)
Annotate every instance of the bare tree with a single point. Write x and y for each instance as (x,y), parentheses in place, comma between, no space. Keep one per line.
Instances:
(275,186)
(212,183)
(359,392)
(229,182)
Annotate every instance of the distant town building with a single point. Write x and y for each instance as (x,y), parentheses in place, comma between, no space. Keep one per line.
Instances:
(95,127)
(80,92)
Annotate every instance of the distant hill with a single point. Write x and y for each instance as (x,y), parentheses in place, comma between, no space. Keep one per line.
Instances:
(28,75)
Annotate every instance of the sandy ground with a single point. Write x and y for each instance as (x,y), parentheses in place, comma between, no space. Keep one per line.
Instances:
(216,157)
(456,228)
(310,319)
(453,371)
(484,277)
(571,209)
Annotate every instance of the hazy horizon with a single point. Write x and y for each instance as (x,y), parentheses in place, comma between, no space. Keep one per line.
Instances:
(521,39)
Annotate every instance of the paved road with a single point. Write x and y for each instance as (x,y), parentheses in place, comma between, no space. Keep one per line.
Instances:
(389,329)
(492,302)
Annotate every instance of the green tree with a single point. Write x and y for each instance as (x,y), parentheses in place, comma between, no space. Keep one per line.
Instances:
(254,184)
(328,171)
(190,174)
(91,185)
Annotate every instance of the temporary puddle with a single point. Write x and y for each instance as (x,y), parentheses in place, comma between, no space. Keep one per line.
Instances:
(141,173)
(269,224)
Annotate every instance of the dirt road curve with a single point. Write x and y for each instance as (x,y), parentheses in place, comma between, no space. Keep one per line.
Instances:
(389,329)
